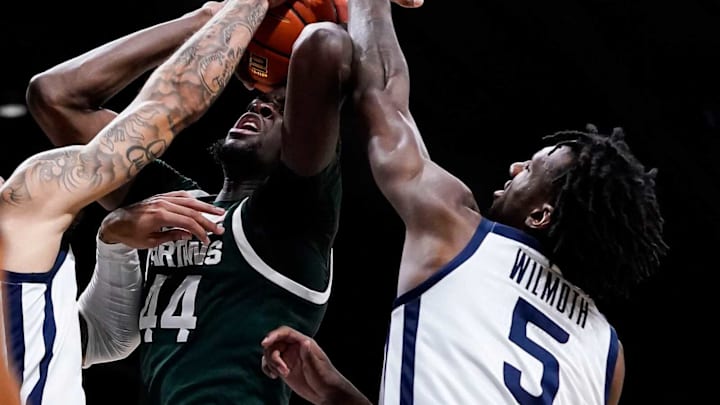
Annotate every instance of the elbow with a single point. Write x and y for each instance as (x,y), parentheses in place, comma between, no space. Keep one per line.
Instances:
(107,343)
(324,41)
(41,94)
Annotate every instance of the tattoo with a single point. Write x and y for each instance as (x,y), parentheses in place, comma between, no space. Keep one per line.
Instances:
(206,62)
(67,168)
(176,94)
(122,149)
(16,192)
(140,156)
(139,136)
(255,18)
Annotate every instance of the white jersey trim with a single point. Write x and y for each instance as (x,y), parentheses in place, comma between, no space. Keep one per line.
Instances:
(272,275)
(484,227)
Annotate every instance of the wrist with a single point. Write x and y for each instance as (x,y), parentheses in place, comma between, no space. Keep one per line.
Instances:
(105,234)
(113,251)
(343,392)
(105,238)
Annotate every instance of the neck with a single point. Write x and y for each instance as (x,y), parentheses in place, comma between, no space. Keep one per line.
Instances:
(234,190)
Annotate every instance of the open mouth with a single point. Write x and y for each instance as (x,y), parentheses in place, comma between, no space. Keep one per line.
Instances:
(247,125)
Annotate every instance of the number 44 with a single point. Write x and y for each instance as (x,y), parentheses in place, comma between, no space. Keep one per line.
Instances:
(168,320)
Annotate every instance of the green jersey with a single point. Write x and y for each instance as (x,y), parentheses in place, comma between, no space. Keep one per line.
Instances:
(206,308)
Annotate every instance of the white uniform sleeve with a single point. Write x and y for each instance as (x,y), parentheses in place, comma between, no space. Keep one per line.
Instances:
(110,304)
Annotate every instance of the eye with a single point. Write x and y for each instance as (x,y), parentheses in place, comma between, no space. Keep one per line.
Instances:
(526,166)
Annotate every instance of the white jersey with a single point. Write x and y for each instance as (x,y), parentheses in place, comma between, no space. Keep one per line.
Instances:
(498,325)
(43,333)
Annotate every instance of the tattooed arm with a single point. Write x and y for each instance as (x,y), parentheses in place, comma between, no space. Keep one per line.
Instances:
(40,199)
(68,100)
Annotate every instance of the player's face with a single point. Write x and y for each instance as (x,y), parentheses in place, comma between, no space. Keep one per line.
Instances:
(253,143)
(530,192)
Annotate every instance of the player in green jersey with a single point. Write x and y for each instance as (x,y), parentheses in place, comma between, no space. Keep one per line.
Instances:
(206,306)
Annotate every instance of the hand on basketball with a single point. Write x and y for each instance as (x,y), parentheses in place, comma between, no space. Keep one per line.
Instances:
(159,219)
(301,363)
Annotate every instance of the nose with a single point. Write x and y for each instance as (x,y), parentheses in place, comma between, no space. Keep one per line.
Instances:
(261,107)
(516,168)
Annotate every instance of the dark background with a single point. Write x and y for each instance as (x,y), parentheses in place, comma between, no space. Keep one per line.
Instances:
(488,79)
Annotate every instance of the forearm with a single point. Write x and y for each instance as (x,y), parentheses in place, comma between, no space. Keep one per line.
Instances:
(110,305)
(346,394)
(380,62)
(204,64)
(382,91)
(67,99)
(175,95)
(396,152)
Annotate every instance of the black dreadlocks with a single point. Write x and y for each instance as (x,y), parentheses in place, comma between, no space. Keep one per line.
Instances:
(606,235)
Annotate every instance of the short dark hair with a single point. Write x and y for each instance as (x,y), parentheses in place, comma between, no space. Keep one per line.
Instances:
(607,232)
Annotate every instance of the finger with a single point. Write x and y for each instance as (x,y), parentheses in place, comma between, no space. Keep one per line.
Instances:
(194,208)
(189,214)
(282,333)
(267,369)
(314,356)
(274,360)
(191,202)
(278,363)
(174,234)
(178,193)
(188,223)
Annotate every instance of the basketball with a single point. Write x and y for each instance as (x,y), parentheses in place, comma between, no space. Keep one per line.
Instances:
(267,58)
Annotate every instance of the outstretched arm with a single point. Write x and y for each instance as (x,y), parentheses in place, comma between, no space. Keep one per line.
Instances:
(68,100)
(418,189)
(439,212)
(48,190)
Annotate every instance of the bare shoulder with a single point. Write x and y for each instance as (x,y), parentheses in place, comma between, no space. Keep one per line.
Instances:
(452,196)
(30,234)
(447,218)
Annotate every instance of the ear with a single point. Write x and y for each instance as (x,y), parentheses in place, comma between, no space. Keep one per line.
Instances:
(540,218)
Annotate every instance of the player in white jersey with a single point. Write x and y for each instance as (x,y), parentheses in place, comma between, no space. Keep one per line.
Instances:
(39,201)
(111,330)
(33,341)
(496,308)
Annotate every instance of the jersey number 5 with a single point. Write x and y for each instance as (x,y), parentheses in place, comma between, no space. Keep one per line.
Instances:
(523,314)
(186,319)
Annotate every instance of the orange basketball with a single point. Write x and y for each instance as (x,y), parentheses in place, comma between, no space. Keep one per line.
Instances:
(267,57)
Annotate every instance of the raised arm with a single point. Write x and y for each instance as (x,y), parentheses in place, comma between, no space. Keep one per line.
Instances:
(422,193)
(47,190)
(68,100)
(311,128)
(439,211)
